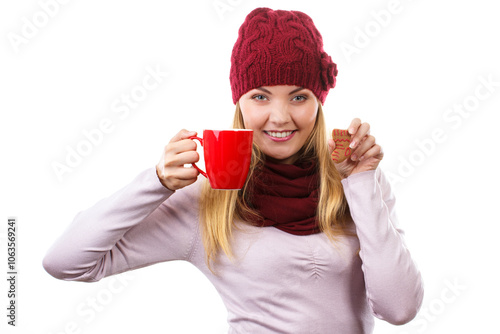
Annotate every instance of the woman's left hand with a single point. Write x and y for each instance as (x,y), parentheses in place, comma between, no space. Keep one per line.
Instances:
(366,153)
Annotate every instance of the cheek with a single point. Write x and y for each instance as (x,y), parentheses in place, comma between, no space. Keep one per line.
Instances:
(246,121)
(252,120)
(307,119)
(312,116)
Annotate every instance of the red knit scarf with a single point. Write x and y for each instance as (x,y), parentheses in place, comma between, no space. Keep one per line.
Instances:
(286,197)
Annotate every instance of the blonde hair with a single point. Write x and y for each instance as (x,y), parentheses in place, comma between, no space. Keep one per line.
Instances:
(220,208)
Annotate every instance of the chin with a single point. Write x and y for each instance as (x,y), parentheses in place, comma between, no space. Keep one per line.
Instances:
(287,159)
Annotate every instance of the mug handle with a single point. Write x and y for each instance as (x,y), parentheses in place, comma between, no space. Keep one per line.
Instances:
(194,165)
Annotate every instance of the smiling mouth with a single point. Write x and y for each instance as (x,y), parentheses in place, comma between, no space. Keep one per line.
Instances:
(279,134)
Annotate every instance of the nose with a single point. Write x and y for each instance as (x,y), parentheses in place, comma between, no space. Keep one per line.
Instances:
(280,114)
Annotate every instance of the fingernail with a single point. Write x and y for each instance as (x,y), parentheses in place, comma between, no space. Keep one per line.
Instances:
(352,144)
(354,157)
(362,158)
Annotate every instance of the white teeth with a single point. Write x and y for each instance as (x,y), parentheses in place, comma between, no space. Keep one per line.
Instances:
(279,134)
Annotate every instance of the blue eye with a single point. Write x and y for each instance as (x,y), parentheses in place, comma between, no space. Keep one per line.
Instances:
(299,98)
(259,97)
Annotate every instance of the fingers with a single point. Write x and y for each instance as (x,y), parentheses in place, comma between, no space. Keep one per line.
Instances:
(180,151)
(358,132)
(178,177)
(181,158)
(178,145)
(374,152)
(363,144)
(174,152)
(183,134)
(366,149)
(354,126)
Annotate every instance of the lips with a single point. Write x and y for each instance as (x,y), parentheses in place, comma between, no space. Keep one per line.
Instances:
(280,135)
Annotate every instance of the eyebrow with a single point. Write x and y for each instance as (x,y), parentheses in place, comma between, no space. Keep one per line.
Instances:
(268,92)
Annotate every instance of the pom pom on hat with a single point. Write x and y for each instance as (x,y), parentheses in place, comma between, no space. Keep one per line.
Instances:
(278,47)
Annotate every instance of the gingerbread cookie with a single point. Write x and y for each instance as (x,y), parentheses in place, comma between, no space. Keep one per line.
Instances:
(342,140)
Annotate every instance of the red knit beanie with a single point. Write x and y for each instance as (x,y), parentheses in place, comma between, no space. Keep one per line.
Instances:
(280,48)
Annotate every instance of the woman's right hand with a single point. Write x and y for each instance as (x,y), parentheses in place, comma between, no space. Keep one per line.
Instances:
(179,151)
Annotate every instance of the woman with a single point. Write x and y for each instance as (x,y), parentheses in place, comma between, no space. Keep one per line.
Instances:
(307,246)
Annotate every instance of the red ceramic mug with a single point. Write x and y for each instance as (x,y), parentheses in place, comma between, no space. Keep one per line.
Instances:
(227,157)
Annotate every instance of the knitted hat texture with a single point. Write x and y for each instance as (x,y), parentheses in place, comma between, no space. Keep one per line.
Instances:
(278,47)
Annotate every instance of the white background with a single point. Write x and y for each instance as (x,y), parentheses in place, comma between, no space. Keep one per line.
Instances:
(63,80)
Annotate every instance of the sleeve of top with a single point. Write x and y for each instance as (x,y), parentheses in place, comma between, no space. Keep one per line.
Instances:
(394,286)
(142,224)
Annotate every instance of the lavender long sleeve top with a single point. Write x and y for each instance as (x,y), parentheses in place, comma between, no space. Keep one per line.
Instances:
(279,283)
